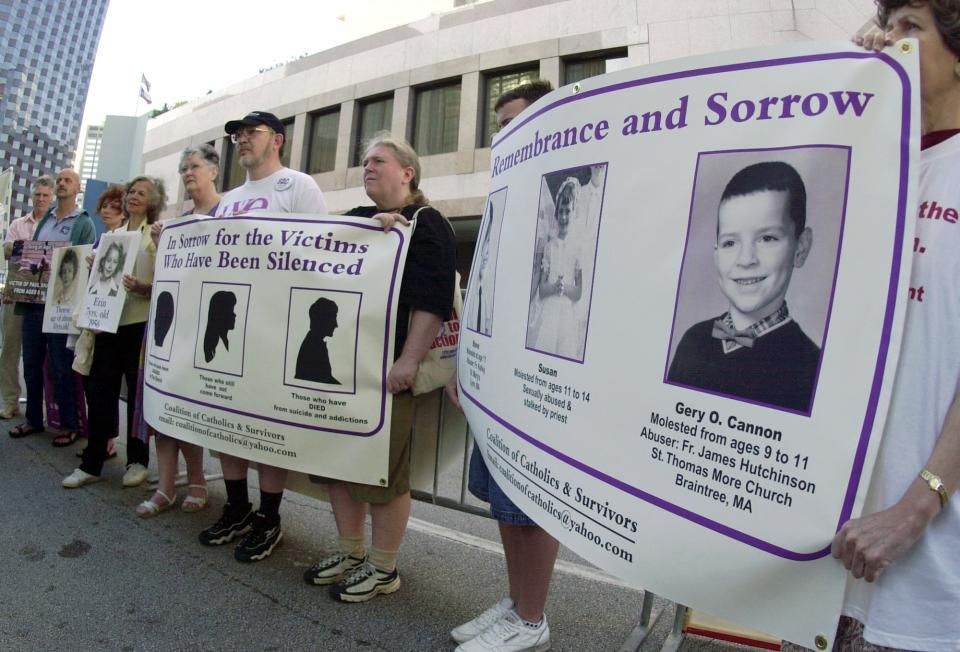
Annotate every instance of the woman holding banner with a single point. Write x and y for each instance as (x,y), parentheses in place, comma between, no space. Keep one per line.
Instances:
(904,547)
(117,355)
(199,169)
(391,178)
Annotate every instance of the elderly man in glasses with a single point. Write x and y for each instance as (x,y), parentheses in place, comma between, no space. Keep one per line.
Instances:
(259,138)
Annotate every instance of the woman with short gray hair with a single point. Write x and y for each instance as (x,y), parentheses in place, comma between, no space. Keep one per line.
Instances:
(199,169)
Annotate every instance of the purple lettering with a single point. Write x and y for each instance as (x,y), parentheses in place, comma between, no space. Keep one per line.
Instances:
(717,108)
(807,105)
(765,105)
(788,101)
(852,99)
(742,111)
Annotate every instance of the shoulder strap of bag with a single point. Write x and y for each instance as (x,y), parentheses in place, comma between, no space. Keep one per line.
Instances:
(413,220)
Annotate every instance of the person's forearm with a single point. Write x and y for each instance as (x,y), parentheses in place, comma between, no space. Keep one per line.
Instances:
(944,461)
(424,327)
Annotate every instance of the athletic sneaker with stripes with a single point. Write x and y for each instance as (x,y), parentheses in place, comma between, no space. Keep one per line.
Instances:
(234,522)
(510,634)
(365,582)
(331,569)
(473,628)
(264,536)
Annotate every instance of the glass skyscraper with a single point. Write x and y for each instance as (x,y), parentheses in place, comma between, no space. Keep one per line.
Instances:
(47,50)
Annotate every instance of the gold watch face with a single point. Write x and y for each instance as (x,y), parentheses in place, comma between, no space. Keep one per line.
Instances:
(935,484)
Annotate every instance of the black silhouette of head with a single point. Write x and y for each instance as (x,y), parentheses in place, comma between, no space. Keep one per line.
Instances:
(163,317)
(221,319)
(323,317)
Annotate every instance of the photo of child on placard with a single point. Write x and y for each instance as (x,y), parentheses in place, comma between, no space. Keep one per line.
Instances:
(566,243)
(68,278)
(482,286)
(759,306)
(106,279)
(104,293)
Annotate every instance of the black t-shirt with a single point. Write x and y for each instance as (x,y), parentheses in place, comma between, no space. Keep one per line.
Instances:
(428,277)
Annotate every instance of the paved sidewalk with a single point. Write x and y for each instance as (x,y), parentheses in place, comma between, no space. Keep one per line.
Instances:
(81,572)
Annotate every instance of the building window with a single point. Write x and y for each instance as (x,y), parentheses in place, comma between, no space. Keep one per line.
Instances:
(575,70)
(287,142)
(496,85)
(322,155)
(235,174)
(373,116)
(436,123)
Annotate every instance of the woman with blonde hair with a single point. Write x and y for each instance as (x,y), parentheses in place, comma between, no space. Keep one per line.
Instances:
(116,356)
(391,178)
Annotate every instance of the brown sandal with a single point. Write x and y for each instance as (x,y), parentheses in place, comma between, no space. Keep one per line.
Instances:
(65,439)
(23,430)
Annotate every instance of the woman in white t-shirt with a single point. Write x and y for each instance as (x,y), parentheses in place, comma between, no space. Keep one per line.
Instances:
(905,544)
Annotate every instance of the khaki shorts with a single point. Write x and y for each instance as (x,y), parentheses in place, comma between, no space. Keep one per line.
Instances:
(398,482)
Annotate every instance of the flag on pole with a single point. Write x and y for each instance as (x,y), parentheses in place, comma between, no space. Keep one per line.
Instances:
(145,89)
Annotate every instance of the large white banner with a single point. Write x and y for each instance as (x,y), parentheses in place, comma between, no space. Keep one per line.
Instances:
(270,338)
(709,259)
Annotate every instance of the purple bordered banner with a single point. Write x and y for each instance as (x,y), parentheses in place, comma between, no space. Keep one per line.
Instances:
(270,338)
(680,366)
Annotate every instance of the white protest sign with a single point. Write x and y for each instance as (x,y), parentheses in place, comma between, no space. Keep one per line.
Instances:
(68,282)
(117,254)
(708,257)
(270,338)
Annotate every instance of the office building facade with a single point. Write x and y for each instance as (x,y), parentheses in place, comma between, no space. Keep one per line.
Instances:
(47,50)
(90,153)
(435,81)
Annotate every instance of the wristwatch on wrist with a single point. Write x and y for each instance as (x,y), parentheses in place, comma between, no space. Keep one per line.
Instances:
(936,484)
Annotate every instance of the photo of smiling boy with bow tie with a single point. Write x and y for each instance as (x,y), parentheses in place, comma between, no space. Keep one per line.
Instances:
(755,350)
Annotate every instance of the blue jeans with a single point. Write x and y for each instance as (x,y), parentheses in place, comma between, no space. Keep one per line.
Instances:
(38,346)
(482,485)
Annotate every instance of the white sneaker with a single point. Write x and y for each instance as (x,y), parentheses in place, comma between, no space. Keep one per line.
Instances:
(510,634)
(78,478)
(135,476)
(471,629)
